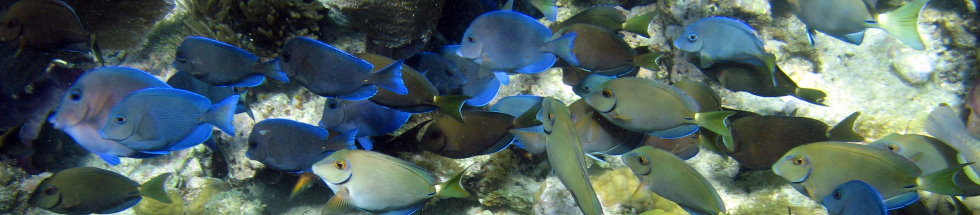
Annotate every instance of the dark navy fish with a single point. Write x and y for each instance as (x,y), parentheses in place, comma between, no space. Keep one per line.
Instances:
(222,64)
(185,81)
(331,72)
(85,108)
(160,120)
(855,198)
(293,146)
(364,116)
(459,75)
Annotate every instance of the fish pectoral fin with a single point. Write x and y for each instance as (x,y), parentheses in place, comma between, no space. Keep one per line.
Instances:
(812,35)
(640,195)
(621,117)
(706,60)
(305,181)
(338,204)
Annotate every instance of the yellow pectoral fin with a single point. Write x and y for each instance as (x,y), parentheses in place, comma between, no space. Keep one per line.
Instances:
(304,182)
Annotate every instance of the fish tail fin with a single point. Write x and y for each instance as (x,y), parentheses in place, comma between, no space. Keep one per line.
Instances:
(640,24)
(304,182)
(844,130)
(530,141)
(390,78)
(648,60)
(271,69)
(714,121)
(770,62)
(944,182)
(945,125)
(482,93)
(548,8)
(451,105)
(813,96)
(156,188)
(222,115)
(453,188)
(903,24)
(563,47)
(529,118)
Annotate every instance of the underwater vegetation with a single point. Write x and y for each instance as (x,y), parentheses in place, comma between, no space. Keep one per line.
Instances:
(489,107)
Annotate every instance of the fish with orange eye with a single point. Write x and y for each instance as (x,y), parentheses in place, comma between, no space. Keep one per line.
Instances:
(365,180)
(41,24)
(667,175)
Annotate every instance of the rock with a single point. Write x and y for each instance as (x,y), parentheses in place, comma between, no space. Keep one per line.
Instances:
(395,28)
(13,199)
(913,67)
(120,24)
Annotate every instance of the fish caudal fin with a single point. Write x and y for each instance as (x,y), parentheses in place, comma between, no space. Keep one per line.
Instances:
(640,24)
(271,69)
(714,121)
(453,188)
(482,93)
(903,24)
(944,124)
(451,105)
(648,60)
(529,140)
(390,78)
(548,8)
(813,96)
(529,118)
(844,130)
(156,188)
(304,182)
(944,182)
(563,47)
(770,62)
(222,115)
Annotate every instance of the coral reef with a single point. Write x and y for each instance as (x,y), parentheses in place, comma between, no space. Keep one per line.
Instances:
(120,24)
(259,26)
(13,199)
(394,28)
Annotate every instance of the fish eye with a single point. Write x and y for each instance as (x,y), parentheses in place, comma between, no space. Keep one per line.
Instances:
(285,57)
(892,147)
(180,57)
(799,161)
(607,93)
(692,37)
(75,95)
(252,144)
(551,116)
(644,161)
(120,119)
(434,135)
(837,195)
(470,39)
(340,164)
(51,191)
(332,104)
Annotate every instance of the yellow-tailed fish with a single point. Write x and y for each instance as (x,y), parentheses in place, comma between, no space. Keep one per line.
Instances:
(85,190)
(759,141)
(655,108)
(945,125)
(566,155)
(757,81)
(422,95)
(848,19)
(667,175)
(602,51)
(365,180)
(930,155)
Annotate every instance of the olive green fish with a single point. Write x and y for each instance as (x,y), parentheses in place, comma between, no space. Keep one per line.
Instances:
(85,190)
(602,51)
(667,175)
(378,183)
(848,19)
(481,133)
(655,108)
(609,18)
(422,95)
(817,168)
(755,80)
(930,155)
(566,155)
(944,124)
(596,134)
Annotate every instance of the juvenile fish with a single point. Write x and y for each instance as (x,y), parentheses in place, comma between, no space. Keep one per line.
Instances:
(723,39)
(422,95)
(667,175)
(510,41)
(160,120)
(293,146)
(222,64)
(362,116)
(85,108)
(855,198)
(85,190)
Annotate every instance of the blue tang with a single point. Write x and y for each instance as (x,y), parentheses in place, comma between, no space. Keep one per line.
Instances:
(511,41)
(368,118)
(160,120)
(85,108)
(723,39)
(855,198)
(331,72)
(222,64)
(293,146)
(185,81)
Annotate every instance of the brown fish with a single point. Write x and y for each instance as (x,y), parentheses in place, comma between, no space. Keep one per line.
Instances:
(755,80)
(602,51)
(41,24)
(759,141)
(482,133)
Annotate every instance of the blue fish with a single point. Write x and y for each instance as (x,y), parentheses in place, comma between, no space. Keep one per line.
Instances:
(85,108)
(510,41)
(453,74)
(331,72)
(160,120)
(363,116)
(293,146)
(855,198)
(185,81)
(723,39)
(442,72)
(222,64)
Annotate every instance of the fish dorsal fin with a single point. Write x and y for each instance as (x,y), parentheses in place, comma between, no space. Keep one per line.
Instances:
(870,6)
(844,130)
(508,6)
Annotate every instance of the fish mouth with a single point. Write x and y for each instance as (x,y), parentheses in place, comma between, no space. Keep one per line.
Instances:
(342,182)
(611,108)
(803,179)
